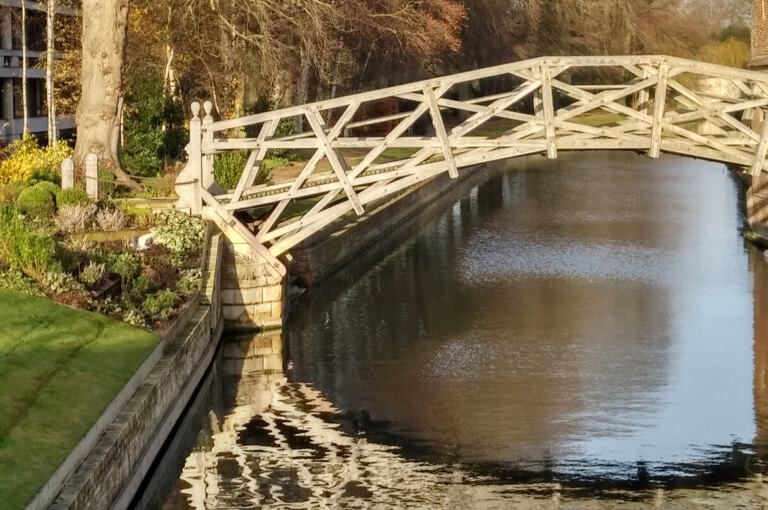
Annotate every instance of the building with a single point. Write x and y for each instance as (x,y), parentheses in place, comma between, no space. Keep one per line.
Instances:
(11,111)
(759,56)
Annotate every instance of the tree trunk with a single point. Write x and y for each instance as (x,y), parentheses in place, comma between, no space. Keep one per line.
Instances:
(24,99)
(50,48)
(103,43)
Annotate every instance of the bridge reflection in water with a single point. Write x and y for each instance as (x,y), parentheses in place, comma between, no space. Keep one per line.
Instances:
(387,409)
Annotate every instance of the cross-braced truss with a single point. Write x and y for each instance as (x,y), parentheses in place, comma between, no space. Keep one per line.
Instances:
(353,151)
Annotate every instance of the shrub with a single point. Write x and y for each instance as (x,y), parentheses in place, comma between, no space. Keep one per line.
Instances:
(75,218)
(27,160)
(38,200)
(10,192)
(126,265)
(22,249)
(111,220)
(135,318)
(92,274)
(189,281)
(15,280)
(159,306)
(153,126)
(180,233)
(228,167)
(107,183)
(72,196)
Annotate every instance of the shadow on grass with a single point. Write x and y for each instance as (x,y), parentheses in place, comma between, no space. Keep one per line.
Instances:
(59,370)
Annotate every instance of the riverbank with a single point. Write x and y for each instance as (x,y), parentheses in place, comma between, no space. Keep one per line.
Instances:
(59,370)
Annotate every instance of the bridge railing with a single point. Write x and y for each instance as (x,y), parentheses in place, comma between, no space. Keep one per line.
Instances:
(356,154)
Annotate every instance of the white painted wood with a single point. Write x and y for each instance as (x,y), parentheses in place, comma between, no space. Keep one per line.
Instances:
(335,159)
(659,106)
(449,149)
(442,135)
(549,110)
(255,159)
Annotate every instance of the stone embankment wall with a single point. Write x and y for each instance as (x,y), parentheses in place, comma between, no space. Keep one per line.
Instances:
(252,296)
(117,463)
(329,249)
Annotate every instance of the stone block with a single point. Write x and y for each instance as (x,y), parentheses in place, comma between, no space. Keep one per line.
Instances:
(234,312)
(242,296)
(273,293)
(277,309)
(262,310)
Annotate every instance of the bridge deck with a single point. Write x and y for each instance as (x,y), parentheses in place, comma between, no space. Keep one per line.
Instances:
(362,148)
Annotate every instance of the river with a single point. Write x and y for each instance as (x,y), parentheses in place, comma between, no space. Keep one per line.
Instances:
(578,333)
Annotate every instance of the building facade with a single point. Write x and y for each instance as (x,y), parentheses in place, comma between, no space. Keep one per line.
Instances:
(759,57)
(11,105)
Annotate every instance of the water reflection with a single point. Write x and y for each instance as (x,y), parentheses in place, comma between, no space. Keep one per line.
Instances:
(588,335)
(560,319)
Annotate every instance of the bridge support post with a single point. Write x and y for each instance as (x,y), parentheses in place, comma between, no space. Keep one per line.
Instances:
(549,110)
(207,138)
(189,180)
(659,106)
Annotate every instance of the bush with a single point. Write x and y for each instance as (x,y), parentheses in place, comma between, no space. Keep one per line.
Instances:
(75,218)
(22,249)
(92,274)
(72,196)
(107,184)
(38,200)
(228,167)
(15,280)
(153,126)
(124,265)
(180,233)
(28,160)
(159,306)
(111,220)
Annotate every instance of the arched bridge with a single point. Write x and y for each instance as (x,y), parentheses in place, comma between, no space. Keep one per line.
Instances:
(363,148)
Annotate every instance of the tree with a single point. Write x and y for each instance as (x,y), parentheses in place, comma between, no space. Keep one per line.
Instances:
(24,65)
(103,47)
(50,48)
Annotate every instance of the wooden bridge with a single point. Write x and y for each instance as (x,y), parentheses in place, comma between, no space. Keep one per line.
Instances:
(363,148)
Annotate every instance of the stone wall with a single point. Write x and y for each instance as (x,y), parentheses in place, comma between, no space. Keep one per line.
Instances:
(326,251)
(124,453)
(252,294)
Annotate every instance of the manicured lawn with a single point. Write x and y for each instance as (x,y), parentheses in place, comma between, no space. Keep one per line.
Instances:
(59,370)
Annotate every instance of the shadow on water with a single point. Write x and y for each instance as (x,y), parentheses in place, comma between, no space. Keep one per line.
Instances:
(624,366)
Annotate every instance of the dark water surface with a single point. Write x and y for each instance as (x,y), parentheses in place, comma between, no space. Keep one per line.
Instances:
(584,333)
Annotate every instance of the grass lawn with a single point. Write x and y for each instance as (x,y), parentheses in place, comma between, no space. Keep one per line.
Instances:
(59,369)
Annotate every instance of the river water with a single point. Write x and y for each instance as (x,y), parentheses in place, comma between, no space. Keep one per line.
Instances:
(581,333)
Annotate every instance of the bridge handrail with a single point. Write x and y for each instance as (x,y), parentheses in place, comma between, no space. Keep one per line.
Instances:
(532,121)
(713,70)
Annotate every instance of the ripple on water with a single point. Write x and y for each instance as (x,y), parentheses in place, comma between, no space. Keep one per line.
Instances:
(491,257)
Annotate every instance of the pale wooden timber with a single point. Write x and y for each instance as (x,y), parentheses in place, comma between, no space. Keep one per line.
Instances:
(522,108)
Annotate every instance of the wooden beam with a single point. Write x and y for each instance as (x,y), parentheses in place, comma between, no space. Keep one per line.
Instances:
(442,135)
(255,159)
(659,106)
(549,110)
(275,266)
(335,159)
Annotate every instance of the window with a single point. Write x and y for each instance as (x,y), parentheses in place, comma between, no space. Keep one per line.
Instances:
(35,98)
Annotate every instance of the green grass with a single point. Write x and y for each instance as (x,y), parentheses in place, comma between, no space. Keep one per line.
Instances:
(59,370)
